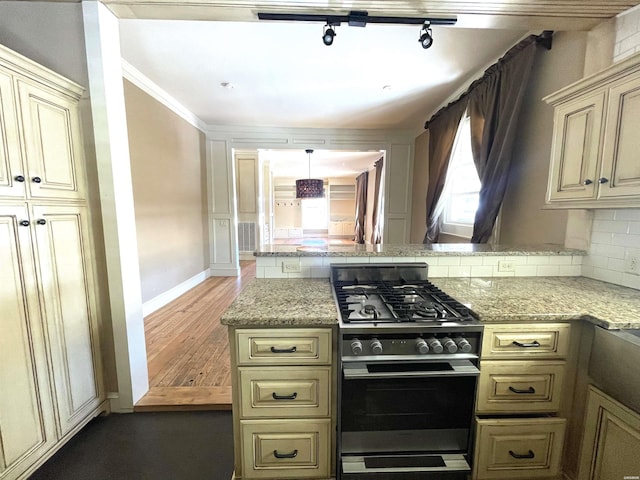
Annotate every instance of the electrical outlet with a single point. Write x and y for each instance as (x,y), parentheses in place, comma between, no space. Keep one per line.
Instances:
(632,263)
(291,266)
(506,266)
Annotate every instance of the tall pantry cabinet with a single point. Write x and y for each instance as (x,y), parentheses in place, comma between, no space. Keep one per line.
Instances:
(50,370)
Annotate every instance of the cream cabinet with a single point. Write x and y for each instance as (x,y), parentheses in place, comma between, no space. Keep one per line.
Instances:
(342,228)
(520,432)
(282,403)
(595,142)
(50,370)
(611,439)
(512,448)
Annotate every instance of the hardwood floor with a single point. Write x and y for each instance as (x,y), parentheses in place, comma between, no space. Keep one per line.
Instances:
(188,350)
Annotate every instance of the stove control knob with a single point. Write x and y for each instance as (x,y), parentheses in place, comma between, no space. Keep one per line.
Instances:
(356,346)
(434,345)
(449,345)
(463,345)
(422,346)
(376,346)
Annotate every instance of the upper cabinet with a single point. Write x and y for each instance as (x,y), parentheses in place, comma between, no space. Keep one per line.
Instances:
(594,163)
(40,149)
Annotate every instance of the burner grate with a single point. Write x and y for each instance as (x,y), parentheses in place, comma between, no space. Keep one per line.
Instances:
(396,301)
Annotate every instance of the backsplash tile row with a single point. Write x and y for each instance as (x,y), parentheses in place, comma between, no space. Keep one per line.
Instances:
(615,236)
(445,266)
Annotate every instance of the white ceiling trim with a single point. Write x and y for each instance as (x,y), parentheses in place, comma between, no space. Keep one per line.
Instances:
(147,85)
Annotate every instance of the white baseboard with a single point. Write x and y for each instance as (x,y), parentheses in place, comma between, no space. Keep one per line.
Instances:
(161,300)
(224,271)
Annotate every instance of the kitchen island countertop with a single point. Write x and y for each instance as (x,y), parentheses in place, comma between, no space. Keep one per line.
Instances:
(410,250)
(309,302)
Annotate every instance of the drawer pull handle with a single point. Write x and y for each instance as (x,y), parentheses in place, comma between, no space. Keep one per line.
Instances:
(293,454)
(284,397)
(527,391)
(529,454)
(533,344)
(283,350)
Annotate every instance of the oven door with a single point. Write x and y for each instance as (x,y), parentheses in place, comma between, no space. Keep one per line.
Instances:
(406,420)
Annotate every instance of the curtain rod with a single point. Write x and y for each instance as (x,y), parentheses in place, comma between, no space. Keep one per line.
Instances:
(544,40)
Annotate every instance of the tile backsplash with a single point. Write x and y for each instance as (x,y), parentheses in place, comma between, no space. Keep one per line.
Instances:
(439,266)
(615,236)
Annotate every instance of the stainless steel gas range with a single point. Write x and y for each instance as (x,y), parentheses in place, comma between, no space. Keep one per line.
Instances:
(409,368)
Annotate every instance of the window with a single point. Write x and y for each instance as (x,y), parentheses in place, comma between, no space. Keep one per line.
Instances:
(462,186)
(314,214)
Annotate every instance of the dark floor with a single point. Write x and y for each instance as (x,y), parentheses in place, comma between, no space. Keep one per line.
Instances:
(147,446)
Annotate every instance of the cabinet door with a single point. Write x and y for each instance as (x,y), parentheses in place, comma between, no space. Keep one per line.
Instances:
(620,164)
(576,148)
(611,440)
(26,429)
(52,143)
(63,255)
(10,159)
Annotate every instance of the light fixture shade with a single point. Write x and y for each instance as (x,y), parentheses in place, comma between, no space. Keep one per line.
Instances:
(309,188)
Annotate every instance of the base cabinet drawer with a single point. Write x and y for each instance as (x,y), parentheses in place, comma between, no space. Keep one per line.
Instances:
(518,341)
(305,392)
(518,448)
(520,387)
(303,346)
(291,449)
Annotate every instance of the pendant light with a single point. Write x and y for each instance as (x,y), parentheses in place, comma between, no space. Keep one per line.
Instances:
(309,187)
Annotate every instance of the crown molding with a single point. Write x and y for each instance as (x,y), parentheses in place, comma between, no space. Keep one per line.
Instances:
(143,82)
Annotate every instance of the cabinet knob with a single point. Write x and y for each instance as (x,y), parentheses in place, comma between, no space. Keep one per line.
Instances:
(41,221)
(587,182)
(36,180)
(603,180)
(24,223)
(19,178)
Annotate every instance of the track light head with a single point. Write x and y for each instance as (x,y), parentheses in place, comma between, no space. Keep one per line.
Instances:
(329,33)
(426,36)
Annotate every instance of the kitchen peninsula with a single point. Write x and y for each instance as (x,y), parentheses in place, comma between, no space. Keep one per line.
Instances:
(540,299)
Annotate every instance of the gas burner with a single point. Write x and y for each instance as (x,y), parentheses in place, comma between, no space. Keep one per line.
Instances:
(393,294)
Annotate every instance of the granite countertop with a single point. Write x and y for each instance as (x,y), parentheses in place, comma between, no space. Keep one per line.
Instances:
(535,299)
(276,302)
(410,250)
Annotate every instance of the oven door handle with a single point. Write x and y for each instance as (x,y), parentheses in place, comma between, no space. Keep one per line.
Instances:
(453,368)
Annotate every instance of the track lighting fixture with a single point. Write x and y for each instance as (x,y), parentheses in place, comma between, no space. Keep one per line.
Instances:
(426,36)
(360,19)
(329,33)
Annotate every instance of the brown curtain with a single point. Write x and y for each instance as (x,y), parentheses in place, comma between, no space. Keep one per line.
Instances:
(362,181)
(376,234)
(442,133)
(494,106)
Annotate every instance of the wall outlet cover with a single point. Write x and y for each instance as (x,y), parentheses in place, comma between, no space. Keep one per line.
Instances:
(632,263)
(506,266)
(292,266)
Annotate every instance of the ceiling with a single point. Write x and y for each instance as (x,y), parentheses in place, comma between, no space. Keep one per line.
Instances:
(282,75)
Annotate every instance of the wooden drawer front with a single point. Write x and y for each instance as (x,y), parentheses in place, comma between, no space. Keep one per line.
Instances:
(519,448)
(519,341)
(285,448)
(284,346)
(294,392)
(520,387)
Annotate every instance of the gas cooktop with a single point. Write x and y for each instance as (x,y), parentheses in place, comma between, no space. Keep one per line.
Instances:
(393,293)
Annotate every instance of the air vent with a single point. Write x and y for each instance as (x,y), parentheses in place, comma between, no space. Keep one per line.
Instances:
(246,236)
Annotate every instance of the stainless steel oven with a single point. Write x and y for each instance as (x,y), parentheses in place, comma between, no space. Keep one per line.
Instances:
(409,371)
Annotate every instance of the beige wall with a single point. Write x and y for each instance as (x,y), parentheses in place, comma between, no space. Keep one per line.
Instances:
(419,188)
(524,221)
(169,189)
